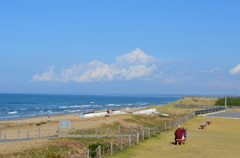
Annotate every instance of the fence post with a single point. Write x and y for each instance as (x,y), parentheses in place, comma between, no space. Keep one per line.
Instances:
(87,156)
(165,125)
(129,140)
(108,131)
(154,130)
(137,139)
(83,132)
(111,148)
(67,133)
(121,144)
(2,126)
(148,132)
(39,132)
(0,134)
(72,156)
(99,151)
(119,129)
(27,135)
(132,130)
(18,133)
(141,127)
(142,134)
(5,137)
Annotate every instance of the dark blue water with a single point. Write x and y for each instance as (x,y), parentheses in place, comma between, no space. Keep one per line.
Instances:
(14,106)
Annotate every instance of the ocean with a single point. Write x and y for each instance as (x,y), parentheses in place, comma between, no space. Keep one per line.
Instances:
(13,106)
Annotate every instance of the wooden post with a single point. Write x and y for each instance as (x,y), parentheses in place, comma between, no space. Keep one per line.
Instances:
(137,138)
(111,148)
(87,156)
(148,132)
(121,144)
(165,125)
(5,137)
(72,156)
(119,129)
(27,136)
(129,140)
(73,132)
(83,132)
(39,132)
(132,130)
(18,133)
(99,151)
(141,127)
(0,134)
(154,130)
(108,131)
(2,126)
(142,134)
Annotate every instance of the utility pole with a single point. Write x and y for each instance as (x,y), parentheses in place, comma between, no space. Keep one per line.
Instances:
(225,102)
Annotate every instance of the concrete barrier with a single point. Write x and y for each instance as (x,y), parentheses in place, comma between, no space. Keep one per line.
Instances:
(146,111)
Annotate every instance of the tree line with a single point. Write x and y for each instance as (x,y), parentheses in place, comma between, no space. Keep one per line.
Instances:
(231,101)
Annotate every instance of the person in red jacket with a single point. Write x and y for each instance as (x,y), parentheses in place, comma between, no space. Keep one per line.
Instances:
(179,133)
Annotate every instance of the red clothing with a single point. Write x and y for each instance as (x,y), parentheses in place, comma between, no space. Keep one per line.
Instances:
(179,133)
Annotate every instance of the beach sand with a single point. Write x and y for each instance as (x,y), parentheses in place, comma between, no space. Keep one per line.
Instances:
(12,128)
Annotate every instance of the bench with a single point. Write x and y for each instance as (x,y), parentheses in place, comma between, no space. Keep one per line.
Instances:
(180,141)
(208,122)
(202,126)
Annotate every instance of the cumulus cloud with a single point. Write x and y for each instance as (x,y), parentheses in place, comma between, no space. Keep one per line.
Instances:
(136,56)
(213,71)
(46,76)
(130,66)
(235,70)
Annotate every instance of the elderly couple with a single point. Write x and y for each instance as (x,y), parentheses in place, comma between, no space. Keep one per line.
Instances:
(180,133)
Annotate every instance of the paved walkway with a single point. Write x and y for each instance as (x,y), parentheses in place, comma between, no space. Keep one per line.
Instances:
(224,114)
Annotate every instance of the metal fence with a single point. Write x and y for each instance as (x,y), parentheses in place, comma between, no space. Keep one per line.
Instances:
(138,135)
(204,106)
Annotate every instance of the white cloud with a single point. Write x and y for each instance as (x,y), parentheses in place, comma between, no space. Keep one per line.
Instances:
(46,76)
(213,71)
(235,70)
(134,65)
(137,71)
(136,56)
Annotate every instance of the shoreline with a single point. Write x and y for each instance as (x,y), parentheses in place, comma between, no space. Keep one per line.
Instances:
(58,117)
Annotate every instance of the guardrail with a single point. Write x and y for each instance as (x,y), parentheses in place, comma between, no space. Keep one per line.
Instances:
(208,111)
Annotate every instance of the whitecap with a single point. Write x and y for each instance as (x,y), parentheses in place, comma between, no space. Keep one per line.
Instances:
(62,107)
(79,106)
(13,112)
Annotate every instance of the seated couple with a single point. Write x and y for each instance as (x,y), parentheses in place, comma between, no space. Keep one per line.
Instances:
(180,133)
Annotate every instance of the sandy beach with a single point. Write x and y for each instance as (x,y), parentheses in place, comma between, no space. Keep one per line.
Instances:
(29,125)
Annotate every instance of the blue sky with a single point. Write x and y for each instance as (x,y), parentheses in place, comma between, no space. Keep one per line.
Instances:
(127,46)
